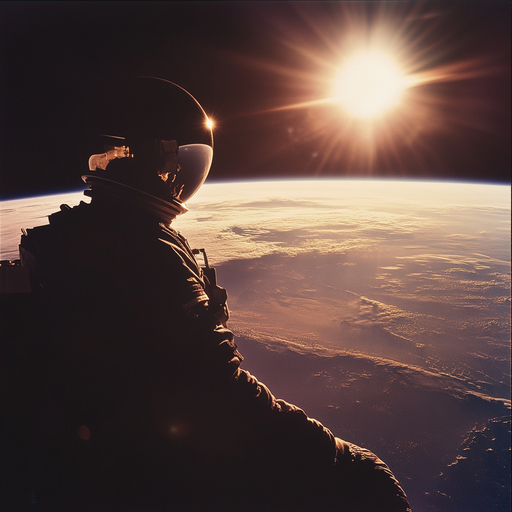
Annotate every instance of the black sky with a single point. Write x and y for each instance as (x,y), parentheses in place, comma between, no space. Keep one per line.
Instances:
(240,59)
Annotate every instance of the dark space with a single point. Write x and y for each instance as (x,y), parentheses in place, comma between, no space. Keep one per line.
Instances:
(242,59)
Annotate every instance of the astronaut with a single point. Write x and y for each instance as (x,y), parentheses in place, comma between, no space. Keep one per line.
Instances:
(132,394)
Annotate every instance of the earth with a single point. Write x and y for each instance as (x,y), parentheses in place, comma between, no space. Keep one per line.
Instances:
(382,308)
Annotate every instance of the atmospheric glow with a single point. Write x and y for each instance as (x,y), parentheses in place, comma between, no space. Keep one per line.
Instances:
(368,84)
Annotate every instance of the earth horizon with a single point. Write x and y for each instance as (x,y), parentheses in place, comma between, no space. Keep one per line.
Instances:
(380,307)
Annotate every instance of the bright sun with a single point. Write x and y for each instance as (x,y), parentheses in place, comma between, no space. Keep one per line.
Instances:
(364,87)
(369,84)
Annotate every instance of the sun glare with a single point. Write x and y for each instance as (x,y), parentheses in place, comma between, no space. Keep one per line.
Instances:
(369,84)
(209,123)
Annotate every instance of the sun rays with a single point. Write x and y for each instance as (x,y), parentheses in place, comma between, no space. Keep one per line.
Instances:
(370,84)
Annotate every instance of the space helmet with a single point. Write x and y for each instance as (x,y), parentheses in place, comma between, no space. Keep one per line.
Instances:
(155,146)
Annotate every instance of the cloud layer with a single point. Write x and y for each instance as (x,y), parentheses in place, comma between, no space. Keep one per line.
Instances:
(381,308)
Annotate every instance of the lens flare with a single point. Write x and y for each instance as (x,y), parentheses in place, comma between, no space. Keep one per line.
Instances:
(367,87)
(84,433)
(209,123)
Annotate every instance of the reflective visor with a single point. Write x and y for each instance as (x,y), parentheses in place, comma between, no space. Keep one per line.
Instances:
(194,162)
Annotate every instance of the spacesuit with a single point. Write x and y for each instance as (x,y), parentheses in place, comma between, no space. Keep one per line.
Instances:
(133,396)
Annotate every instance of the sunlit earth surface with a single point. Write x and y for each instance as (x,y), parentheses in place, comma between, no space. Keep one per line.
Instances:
(380,307)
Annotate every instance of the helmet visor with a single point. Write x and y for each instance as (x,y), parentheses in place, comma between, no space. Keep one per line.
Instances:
(194,162)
